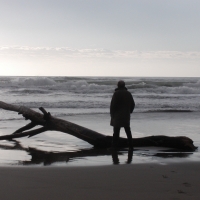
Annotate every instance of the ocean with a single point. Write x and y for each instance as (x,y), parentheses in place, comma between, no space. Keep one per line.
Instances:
(164,106)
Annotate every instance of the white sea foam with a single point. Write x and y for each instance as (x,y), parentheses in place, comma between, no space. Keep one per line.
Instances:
(97,85)
(34,82)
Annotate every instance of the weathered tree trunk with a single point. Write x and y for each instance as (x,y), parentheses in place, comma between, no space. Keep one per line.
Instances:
(50,123)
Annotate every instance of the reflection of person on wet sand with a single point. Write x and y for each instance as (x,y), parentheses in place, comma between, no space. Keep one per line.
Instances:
(116,159)
(122,105)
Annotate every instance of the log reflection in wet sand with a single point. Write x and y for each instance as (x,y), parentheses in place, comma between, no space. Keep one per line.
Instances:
(47,158)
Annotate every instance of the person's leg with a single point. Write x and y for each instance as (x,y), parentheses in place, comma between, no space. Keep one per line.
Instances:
(129,136)
(130,156)
(116,131)
(115,157)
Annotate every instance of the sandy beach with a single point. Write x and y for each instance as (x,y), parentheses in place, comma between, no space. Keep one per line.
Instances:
(134,181)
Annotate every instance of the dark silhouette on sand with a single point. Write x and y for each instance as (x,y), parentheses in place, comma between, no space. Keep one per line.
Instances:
(122,105)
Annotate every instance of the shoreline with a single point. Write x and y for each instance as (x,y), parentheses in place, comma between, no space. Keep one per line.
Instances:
(95,158)
(133,181)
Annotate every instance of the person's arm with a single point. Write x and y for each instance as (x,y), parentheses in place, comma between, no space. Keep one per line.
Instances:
(112,105)
(132,103)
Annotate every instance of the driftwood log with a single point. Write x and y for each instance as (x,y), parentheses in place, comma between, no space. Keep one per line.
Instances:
(98,140)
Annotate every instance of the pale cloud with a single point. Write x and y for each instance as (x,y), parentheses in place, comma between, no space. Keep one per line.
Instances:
(95,53)
(65,61)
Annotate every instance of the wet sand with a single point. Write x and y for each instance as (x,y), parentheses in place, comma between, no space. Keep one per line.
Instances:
(134,181)
(64,147)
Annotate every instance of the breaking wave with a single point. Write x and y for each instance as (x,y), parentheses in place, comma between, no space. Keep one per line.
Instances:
(150,94)
(92,85)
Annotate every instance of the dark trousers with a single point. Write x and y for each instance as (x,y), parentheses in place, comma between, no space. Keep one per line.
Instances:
(116,136)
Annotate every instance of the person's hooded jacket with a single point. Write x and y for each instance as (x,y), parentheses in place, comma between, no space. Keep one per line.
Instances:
(122,105)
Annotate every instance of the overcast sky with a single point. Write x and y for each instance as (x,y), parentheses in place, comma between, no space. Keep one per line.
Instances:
(100,37)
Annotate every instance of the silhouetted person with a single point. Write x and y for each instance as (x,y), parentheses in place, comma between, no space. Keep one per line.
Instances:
(122,105)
